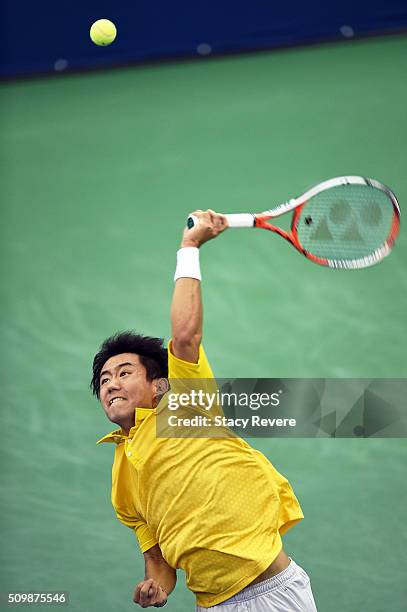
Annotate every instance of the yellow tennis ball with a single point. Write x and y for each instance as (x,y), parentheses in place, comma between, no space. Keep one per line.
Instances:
(103,32)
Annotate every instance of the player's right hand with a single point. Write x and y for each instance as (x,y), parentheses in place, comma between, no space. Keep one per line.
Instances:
(148,593)
(210,224)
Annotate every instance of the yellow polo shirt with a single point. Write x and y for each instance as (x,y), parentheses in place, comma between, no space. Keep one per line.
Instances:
(216,507)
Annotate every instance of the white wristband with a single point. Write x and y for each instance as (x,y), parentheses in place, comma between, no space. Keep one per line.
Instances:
(188,263)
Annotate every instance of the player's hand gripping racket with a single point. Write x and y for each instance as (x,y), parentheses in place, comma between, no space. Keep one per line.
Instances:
(346,222)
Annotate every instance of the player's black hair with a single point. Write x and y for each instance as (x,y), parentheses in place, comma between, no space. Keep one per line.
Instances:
(151,351)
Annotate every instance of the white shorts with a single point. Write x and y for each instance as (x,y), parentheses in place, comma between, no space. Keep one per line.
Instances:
(288,591)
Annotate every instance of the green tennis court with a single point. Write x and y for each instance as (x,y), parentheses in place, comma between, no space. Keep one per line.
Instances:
(98,173)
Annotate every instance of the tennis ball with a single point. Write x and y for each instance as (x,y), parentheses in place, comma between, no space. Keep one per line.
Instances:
(103,32)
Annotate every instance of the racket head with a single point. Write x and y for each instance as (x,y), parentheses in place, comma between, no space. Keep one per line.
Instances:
(348,222)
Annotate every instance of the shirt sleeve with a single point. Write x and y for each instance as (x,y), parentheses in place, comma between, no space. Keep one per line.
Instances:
(144,537)
(178,368)
(187,377)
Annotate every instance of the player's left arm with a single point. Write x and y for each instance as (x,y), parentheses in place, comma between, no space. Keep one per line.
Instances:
(159,580)
(186,307)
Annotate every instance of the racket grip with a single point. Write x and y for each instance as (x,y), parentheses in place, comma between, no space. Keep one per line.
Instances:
(241,220)
(234,220)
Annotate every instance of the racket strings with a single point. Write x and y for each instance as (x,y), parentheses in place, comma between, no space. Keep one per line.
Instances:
(345,222)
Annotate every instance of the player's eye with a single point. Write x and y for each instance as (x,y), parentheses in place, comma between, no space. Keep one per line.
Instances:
(102,382)
(124,372)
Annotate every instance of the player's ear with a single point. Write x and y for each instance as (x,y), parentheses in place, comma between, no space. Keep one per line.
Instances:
(160,386)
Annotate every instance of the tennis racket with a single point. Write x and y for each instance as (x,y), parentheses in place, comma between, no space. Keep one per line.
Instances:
(347,222)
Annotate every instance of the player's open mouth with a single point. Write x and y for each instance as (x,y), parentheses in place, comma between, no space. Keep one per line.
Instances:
(116,399)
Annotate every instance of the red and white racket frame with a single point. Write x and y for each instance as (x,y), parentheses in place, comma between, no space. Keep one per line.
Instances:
(297,204)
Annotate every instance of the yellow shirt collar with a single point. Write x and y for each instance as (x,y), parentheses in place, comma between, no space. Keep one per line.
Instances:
(118,435)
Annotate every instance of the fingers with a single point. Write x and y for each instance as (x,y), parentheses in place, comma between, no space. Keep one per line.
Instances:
(219,221)
(146,593)
(210,225)
(211,220)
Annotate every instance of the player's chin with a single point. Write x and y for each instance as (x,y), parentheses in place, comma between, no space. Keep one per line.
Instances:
(116,411)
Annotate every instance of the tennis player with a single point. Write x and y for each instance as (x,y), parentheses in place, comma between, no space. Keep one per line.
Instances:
(215,508)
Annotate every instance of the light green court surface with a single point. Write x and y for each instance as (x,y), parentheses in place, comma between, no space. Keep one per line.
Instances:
(98,174)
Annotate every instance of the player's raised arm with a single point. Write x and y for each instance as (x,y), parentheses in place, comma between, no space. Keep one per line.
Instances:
(186,307)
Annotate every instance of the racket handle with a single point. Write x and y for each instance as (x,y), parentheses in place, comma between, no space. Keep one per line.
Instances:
(236,220)
(241,220)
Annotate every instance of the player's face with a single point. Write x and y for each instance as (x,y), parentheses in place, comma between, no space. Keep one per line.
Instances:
(124,387)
